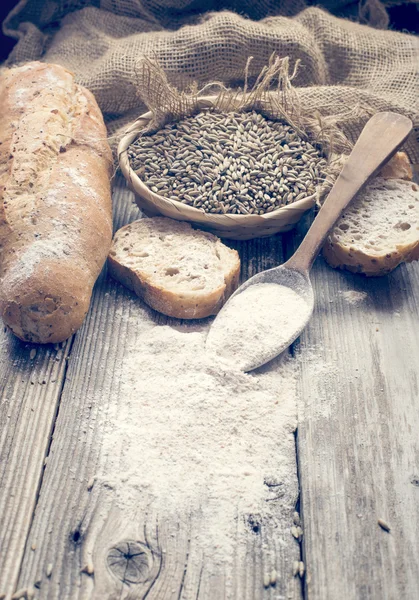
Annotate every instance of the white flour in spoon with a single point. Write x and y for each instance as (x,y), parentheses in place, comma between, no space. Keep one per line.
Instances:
(257,322)
(193,436)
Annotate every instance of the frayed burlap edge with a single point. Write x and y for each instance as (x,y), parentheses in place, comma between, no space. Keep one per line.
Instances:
(273,95)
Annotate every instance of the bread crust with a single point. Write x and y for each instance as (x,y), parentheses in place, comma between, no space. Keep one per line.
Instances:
(348,257)
(398,167)
(55,201)
(188,305)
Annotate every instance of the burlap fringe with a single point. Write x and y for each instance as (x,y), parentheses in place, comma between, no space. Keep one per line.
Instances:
(273,95)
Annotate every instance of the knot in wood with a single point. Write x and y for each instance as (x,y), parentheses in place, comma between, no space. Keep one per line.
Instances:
(130,561)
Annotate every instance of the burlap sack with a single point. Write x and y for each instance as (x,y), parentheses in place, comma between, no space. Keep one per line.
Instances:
(349,71)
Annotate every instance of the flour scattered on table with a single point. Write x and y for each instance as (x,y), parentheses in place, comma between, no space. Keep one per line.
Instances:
(321,369)
(193,436)
(354,297)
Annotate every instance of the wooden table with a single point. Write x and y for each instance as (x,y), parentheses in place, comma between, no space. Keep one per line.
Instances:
(356,457)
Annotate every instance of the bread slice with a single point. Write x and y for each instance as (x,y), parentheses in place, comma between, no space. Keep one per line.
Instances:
(398,167)
(177,270)
(378,231)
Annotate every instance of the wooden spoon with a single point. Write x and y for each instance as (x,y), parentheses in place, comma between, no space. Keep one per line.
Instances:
(381,137)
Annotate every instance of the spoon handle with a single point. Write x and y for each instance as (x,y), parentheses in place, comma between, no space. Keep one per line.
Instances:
(379,140)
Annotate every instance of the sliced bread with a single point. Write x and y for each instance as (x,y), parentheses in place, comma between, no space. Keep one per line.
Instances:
(178,271)
(378,231)
(398,167)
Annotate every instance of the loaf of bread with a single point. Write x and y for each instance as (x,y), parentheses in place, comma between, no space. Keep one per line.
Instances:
(177,270)
(378,231)
(55,201)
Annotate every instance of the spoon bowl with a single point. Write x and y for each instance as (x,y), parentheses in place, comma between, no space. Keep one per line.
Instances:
(238,343)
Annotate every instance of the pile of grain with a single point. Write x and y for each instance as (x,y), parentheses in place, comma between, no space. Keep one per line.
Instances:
(238,163)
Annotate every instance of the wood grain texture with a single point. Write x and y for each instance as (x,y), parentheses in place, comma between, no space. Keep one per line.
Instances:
(86,547)
(358,436)
(31,379)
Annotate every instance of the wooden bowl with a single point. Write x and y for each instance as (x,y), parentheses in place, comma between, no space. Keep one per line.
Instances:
(236,227)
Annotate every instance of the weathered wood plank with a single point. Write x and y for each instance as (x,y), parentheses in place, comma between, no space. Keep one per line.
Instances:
(358,436)
(80,533)
(31,379)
